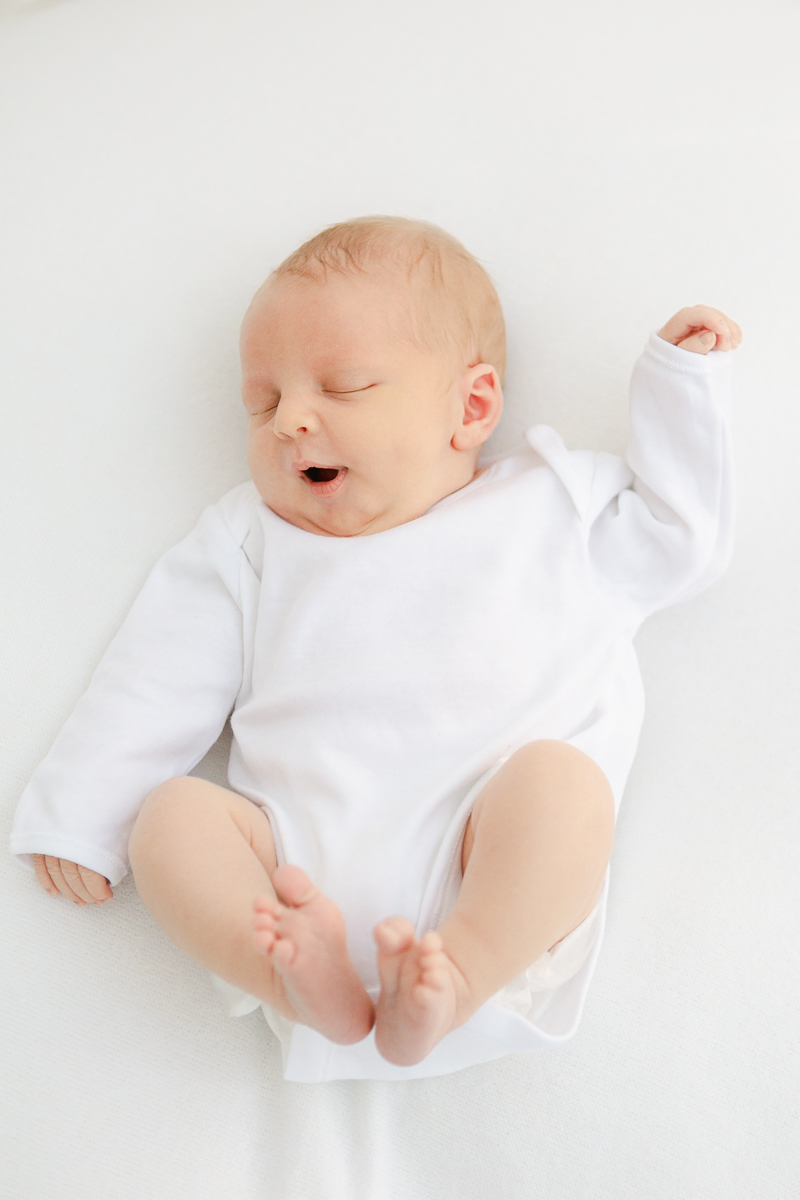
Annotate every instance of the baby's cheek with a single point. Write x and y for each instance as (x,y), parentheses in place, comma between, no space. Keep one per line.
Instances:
(258,422)
(261,441)
(259,457)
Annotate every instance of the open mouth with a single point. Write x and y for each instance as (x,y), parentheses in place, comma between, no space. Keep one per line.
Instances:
(321,474)
(323,481)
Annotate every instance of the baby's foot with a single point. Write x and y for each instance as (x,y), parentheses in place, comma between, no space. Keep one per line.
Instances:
(303,934)
(423,993)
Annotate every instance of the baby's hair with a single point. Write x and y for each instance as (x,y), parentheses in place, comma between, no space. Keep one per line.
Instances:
(456,309)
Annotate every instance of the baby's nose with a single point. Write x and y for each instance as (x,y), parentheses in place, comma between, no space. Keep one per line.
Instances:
(294,415)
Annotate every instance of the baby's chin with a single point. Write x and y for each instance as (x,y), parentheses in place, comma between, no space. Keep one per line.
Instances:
(327,513)
(347,511)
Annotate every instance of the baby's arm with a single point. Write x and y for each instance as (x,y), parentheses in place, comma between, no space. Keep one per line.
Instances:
(659,527)
(158,700)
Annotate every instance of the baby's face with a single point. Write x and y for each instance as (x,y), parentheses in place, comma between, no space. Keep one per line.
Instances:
(351,427)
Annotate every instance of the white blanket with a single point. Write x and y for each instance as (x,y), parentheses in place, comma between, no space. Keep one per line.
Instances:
(609,166)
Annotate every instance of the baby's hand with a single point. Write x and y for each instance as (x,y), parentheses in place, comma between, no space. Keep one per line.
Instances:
(77,883)
(701,329)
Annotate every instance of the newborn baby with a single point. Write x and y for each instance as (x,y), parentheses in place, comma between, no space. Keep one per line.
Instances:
(428,661)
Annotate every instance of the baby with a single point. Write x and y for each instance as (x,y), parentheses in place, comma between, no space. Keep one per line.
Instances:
(427,657)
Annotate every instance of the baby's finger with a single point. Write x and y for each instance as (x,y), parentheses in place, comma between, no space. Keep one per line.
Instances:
(690,321)
(96,885)
(43,875)
(717,320)
(72,873)
(713,319)
(57,876)
(734,330)
(699,343)
(728,331)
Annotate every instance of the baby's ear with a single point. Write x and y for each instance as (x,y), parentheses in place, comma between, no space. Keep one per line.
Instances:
(482,406)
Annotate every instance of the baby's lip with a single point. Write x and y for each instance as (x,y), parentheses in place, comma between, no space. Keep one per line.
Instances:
(305,463)
(332,481)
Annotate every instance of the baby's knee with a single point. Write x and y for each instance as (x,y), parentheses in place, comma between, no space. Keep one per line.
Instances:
(567,774)
(172,794)
(164,804)
(547,755)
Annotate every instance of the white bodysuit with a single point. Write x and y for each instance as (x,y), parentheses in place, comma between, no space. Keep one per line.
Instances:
(374,683)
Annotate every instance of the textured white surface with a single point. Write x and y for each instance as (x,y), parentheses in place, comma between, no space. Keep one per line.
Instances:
(610,163)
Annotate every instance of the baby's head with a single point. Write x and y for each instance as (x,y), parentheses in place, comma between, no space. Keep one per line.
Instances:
(372,364)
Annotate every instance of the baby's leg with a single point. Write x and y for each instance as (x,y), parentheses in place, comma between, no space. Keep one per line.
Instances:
(535,856)
(205,866)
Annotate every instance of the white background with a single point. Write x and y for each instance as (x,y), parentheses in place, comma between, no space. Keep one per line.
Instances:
(610,163)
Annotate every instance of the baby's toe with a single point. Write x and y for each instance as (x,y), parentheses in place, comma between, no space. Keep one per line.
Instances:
(394,938)
(264,940)
(265,920)
(435,976)
(431,953)
(293,885)
(425,997)
(394,935)
(266,904)
(283,952)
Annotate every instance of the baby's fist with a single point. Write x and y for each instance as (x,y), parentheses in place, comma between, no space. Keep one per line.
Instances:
(79,884)
(700,329)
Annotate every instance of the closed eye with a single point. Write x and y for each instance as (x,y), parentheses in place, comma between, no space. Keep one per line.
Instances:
(264,412)
(347,391)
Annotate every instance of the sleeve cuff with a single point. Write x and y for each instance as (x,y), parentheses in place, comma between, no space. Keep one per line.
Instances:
(96,858)
(716,361)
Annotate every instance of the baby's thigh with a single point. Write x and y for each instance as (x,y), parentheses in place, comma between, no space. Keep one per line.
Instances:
(540,777)
(186,809)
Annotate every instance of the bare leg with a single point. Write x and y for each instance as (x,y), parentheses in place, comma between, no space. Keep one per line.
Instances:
(205,866)
(303,932)
(535,856)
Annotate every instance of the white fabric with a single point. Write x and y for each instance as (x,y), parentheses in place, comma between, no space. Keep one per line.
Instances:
(608,166)
(377,682)
(528,996)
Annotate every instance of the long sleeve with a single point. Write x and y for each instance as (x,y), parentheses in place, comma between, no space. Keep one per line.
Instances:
(659,525)
(156,703)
